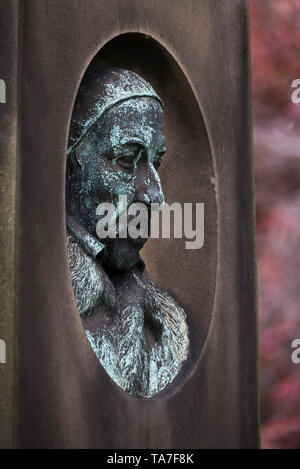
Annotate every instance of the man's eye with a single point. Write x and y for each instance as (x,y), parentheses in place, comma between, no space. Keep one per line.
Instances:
(158,160)
(126,161)
(157,163)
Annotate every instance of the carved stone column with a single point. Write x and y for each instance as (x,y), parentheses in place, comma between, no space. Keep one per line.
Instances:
(195,54)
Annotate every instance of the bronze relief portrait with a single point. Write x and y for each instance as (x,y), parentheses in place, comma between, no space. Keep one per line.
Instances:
(138,332)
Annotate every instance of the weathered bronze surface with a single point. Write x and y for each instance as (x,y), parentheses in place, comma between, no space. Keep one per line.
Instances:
(116,144)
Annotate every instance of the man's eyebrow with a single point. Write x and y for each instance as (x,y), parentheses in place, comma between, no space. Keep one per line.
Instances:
(126,145)
(133,141)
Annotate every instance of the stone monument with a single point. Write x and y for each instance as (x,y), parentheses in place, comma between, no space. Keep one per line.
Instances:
(116,145)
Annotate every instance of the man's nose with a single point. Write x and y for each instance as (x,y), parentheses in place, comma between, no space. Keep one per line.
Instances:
(149,190)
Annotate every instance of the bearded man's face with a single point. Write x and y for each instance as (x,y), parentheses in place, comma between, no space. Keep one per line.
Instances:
(119,156)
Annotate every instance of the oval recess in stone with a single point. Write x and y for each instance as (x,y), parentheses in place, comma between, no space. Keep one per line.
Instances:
(146,317)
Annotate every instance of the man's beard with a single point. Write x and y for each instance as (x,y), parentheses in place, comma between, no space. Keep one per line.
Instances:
(123,254)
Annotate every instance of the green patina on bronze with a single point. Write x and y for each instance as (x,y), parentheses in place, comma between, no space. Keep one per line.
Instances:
(116,145)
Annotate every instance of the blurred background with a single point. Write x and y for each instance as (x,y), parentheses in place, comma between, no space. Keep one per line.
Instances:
(275,44)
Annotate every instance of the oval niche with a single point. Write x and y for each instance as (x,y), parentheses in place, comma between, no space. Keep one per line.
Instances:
(187,275)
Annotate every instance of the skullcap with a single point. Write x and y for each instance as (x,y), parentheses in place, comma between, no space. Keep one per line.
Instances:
(101,89)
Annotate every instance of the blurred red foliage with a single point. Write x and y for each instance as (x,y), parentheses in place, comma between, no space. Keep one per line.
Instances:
(275,50)
(275,26)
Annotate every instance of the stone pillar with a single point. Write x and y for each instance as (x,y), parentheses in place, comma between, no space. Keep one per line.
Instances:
(196,54)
